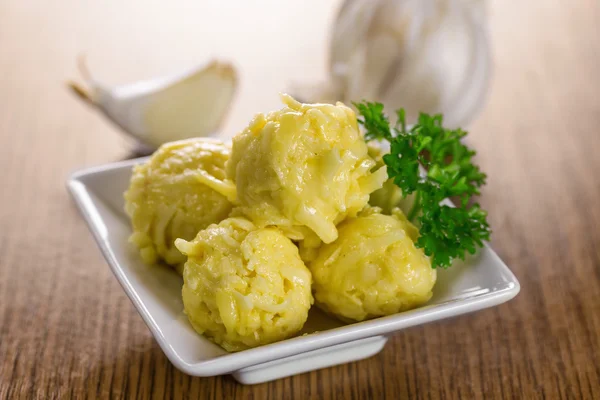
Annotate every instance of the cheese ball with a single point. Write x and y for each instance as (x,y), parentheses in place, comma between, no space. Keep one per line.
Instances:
(373,269)
(180,190)
(389,196)
(306,165)
(244,286)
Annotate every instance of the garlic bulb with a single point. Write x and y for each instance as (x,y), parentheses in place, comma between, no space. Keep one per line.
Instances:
(158,111)
(423,55)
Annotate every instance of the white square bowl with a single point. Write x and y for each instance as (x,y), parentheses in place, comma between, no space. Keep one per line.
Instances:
(483,281)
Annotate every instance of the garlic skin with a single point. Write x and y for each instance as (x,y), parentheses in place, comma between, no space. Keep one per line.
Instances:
(183,106)
(423,55)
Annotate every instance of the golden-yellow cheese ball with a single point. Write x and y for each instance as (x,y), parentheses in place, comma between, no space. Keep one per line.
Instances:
(303,166)
(244,286)
(180,190)
(373,269)
(389,196)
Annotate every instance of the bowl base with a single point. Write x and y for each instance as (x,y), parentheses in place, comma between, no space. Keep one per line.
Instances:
(312,360)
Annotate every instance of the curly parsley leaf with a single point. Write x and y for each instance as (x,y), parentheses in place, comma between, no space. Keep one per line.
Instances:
(446,233)
(374,120)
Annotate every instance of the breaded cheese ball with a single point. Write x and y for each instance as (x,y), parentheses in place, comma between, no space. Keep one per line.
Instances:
(180,190)
(303,166)
(373,269)
(244,286)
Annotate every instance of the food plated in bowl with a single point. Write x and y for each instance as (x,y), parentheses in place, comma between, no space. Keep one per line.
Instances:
(249,279)
(178,192)
(244,286)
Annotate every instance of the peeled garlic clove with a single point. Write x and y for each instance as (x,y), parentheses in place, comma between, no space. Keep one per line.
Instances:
(183,106)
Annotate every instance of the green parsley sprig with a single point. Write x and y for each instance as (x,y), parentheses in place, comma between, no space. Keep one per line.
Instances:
(446,232)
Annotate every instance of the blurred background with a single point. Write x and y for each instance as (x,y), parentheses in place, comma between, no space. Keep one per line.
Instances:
(298,48)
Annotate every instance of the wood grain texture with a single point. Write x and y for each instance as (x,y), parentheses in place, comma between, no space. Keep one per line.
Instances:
(67,330)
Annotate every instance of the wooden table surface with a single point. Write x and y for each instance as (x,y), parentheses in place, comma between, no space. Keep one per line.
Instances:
(67,330)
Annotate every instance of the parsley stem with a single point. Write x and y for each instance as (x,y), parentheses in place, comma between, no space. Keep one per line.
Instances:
(416,207)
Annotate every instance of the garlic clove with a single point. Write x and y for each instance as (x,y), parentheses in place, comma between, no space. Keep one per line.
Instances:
(157,111)
(424,56)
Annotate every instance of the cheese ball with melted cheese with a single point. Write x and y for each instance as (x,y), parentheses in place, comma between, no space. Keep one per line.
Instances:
(180,190)
(373,269)
(244,286)
(304,166)
(389,196)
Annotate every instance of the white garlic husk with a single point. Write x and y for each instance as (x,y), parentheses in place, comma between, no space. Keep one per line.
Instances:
(423,55)
(157,111)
